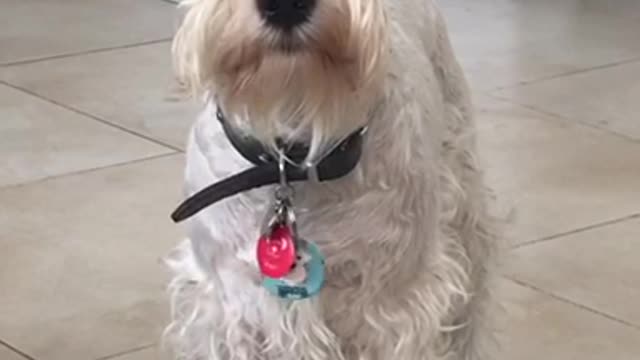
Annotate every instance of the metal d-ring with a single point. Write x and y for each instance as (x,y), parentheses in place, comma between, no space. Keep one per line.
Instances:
(284,199)
(284,191)
(282,168)
(280,213)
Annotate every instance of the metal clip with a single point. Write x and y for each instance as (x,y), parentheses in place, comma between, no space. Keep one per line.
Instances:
(282,211)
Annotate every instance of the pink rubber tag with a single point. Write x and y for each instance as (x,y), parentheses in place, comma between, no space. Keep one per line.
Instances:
(277,252)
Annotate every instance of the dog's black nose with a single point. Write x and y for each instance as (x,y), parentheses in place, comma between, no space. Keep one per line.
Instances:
(286,14)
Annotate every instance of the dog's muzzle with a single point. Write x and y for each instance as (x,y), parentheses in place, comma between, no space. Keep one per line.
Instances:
(338,163)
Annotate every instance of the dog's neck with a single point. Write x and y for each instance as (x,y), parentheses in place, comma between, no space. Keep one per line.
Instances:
(288,164)
(295,152)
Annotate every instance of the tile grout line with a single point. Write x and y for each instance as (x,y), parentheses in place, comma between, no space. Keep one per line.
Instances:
(16,350)
(565,74)
(89,170)
(126,352)
(93,117)
(85,52)
(578,230)
(570,302)
(555,116)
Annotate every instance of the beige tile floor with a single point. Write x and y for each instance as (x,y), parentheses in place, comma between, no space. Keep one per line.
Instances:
(90,166)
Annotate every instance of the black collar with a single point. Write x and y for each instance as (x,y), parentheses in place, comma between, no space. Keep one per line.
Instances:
(338,163)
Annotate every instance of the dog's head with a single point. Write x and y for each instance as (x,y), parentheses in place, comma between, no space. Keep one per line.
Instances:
(314,66)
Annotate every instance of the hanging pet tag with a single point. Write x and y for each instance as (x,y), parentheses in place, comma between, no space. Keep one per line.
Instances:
(293,269)
(276,252)
(305,280)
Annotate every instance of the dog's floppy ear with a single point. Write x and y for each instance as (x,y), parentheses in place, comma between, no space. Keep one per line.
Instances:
(192,44)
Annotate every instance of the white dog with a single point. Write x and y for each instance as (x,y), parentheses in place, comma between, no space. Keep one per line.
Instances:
(406,235)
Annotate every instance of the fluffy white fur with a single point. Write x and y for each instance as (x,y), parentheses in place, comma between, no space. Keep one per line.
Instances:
(408,239)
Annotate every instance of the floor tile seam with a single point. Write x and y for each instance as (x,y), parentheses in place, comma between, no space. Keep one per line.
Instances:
(563,74)
(127,352)
(84,52)
(89,170)
(16,351)
(93,117)
(555,116)
(579,230)
(574,303)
